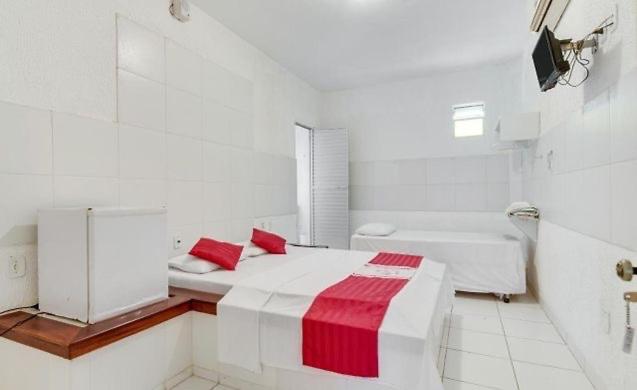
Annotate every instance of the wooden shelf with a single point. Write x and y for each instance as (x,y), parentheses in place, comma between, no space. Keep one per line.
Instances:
(71,341)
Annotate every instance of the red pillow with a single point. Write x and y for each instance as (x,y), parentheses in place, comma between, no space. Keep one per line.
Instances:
(268,241)
(224,254)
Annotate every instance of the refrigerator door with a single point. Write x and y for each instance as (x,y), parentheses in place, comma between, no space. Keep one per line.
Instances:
(127,260)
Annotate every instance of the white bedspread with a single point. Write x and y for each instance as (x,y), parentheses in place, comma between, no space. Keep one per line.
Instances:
(478,262)
(221,281)
(259,320)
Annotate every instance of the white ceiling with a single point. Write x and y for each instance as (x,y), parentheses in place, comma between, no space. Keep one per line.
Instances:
(341,44)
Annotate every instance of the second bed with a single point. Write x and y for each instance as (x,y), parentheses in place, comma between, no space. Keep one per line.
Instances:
(478,262)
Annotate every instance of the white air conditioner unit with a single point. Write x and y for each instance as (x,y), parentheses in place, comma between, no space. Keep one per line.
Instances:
(515,131)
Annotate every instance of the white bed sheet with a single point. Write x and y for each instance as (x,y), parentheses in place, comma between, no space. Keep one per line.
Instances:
(222,281)
(478,262)
(259,322)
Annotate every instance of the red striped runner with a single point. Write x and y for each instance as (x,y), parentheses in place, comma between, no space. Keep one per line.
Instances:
(340,329)
(397,259)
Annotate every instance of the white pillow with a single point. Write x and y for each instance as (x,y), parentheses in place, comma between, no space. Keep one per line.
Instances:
(192,264)
(251,250)
(195,265)
(376,229)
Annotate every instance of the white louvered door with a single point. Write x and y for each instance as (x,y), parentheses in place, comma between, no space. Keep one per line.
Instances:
(330,188)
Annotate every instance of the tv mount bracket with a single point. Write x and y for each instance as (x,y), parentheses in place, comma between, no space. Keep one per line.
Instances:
(578,46)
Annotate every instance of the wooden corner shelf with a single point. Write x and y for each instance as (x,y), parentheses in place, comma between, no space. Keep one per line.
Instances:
(70,341)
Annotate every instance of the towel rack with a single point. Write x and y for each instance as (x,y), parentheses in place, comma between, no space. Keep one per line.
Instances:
(530,212)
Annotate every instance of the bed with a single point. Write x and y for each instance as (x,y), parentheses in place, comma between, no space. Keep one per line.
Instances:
(259,319)
(478,262)
(222,281)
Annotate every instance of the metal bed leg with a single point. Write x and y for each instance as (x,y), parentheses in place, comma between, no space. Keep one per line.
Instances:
(506,298)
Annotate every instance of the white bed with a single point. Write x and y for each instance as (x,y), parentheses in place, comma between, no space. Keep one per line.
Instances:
(478,262)
(221,281)
(265,299)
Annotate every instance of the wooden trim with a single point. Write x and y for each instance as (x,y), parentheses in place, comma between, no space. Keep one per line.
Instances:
(548,12)
(70,341)
(541,9)
(199,301)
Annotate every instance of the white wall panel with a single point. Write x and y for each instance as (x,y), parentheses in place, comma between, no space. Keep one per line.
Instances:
(184,68)
(84,147)
(142,153)
(72,191)
(187,104)
(472,183)
(184,114)
(140,101)
(146,360)
(140,50)
(583,190)
(25,140)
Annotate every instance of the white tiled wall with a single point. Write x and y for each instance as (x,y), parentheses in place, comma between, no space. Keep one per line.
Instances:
(581,174)
(412,119)
(147,112)
(589,185)
(208,135)
(475,183)
(143,361)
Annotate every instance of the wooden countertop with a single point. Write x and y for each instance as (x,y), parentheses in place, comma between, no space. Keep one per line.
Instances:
(71,341)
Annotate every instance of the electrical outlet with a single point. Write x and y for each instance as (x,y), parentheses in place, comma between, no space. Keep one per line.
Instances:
(17,266)
(177,242)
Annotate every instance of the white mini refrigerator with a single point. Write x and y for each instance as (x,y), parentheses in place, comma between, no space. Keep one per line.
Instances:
(97,263)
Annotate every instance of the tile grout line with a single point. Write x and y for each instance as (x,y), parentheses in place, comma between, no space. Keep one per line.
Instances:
(476,353)
(475,384)
(444,360)
(549,365)
(506,341)
(53,175)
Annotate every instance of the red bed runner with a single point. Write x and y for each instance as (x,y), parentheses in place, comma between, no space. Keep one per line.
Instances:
(397,259)
(340,329)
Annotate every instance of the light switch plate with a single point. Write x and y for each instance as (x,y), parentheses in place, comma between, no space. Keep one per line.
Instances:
(17,266)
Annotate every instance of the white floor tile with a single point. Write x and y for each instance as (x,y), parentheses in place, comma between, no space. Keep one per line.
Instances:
(479,369)
(531,330)
(471,305)
(222,387)
(477,342)
(548,354)
(450,384)
(534,377)
(195,383)
(478,323)
(526,312)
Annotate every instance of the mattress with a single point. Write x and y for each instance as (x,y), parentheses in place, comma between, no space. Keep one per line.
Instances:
(222,281)
(478,262)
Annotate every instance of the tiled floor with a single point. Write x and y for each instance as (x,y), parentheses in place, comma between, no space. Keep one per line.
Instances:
(196,383)
(494,345)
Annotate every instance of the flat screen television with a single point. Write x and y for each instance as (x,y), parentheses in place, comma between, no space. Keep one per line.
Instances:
(548,60)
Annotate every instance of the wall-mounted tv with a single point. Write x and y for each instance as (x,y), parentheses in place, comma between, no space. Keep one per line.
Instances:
(548,60)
